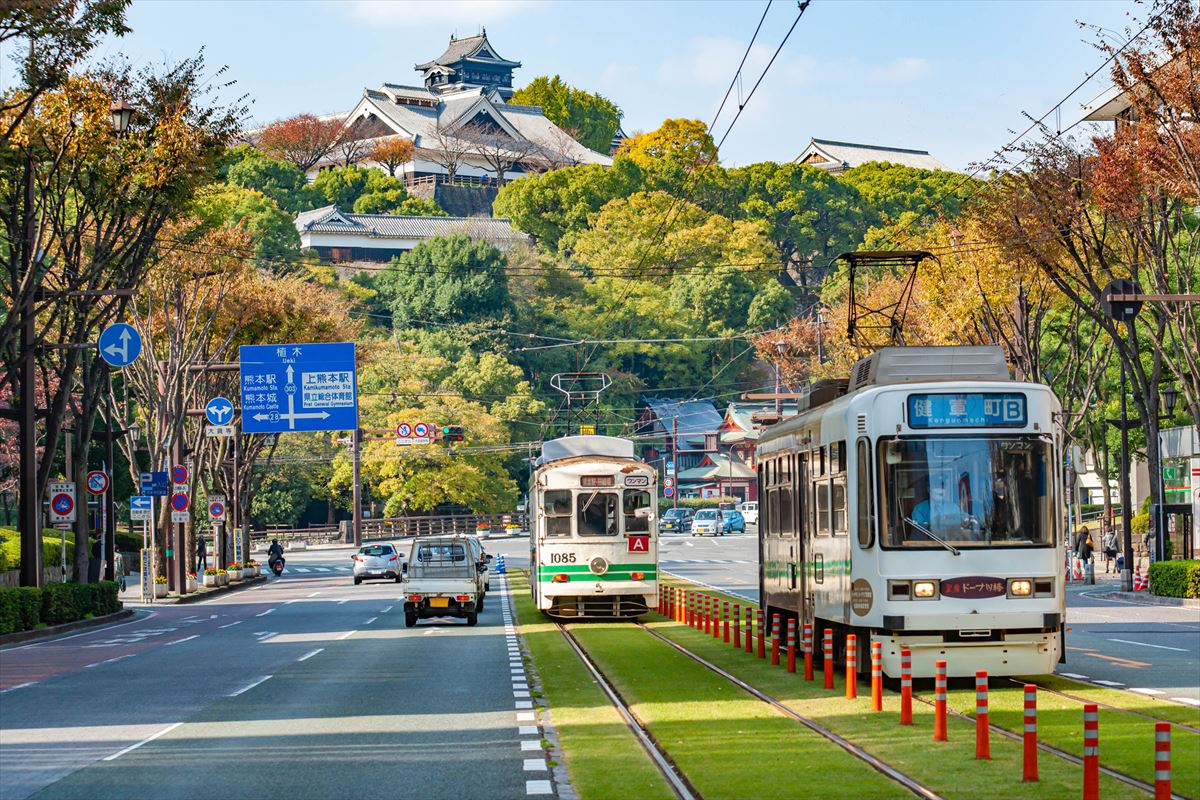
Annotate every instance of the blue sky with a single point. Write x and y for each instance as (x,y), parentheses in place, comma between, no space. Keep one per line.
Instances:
(952,77)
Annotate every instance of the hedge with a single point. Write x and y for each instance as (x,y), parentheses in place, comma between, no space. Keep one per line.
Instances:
(1175,578)
(23,608)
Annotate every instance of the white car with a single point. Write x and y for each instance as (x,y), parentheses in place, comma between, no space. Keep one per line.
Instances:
(749,510)
(377,561)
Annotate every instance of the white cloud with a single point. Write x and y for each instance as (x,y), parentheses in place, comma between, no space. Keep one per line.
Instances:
(468,14)
(711,61)
(902,70)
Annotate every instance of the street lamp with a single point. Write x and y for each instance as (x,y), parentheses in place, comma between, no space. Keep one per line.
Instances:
(1170,396)
(122,113)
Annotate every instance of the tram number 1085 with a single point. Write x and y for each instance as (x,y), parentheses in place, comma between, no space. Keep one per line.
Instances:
(562,558)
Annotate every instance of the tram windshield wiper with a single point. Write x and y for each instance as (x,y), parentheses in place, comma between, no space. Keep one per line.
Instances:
(953,550)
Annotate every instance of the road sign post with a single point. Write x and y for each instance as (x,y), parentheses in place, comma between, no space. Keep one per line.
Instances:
(62,502)
(298,387)
(120,345)
(97,481)
(218,411)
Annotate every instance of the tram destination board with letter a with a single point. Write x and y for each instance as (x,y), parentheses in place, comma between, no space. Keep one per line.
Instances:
(967,410)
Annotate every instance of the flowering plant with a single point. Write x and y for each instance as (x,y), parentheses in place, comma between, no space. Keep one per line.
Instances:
(161,580)
(192,575)
(221,572)
(210,571)
(234,565)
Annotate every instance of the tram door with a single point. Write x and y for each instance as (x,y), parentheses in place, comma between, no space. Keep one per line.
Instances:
(800,538)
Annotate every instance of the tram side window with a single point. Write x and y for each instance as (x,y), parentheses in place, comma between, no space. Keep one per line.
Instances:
(821,506)
(865,497)
(838,493)
(556,505)
(637,512)
(786,526)
(773,512)
(597,515)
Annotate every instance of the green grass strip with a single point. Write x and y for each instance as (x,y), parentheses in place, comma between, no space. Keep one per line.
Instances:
(1126,741)
(948,768)
(729,744)
(602,757)
(1130,701)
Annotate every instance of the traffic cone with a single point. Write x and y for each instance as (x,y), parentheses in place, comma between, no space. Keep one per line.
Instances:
(500,568)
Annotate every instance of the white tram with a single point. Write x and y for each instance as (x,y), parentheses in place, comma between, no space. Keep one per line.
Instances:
(593,536)
(919,507)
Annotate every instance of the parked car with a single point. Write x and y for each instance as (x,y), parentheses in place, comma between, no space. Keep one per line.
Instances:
(708,521)
(733,521)
(676,519)
(749,510)
(377,561)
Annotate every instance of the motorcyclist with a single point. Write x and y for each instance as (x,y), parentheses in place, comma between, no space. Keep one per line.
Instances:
(275,553)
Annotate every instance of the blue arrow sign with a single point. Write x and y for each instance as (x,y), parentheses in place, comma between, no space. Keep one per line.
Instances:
(140,501)
(219,411)
(120,344)
(298,387)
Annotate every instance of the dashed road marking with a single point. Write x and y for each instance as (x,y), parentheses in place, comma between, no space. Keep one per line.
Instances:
(18,686)
(524,704)
(1191,701)
(310,654)
(314,594)
(147,740)
(372,619)
(384,611)
(184,639)
(346,635)
(1151,692)
(526,717)
(530,744)
(245,689)
(535,765)
(1075,675)
(538,787)
(1156,646)
(231,624)
(263,614)
(528,730)
(1108,683)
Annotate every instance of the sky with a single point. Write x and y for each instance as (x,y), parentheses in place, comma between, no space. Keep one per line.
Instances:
(951,77)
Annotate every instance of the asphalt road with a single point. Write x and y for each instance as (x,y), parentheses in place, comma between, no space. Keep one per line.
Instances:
(307,687)
(1152,650)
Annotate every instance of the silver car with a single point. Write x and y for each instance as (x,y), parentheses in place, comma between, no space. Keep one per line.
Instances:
(707,521)
(377,561)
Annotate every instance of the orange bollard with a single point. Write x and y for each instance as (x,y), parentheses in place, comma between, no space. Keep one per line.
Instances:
(808,668)
(1029,772)
(906,687)
(707,614)
(737,626)
(720,615)
(827,666)
(791,645)
(983,745)
(939,702)
(877,676)
(851,666)
(689,601)
(1162,761)
(762,636)
(774,640)
(1091,752)
(725,619)
(749,630)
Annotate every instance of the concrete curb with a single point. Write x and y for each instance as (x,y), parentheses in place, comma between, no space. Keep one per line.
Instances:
(196,597)
(1146,599)
(66,627)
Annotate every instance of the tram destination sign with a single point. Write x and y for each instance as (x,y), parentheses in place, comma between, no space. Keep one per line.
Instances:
(967,410)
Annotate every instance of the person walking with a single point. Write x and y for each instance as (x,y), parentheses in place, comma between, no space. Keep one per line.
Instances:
(1109,541)
(201,555)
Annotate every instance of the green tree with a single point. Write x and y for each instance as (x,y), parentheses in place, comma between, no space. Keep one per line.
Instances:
(449,279)
(279,180)
(344,186)
(892,191)
(591,119)
(397,201)
(276,241)
(684,141)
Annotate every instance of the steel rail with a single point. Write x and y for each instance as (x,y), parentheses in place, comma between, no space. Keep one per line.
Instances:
(1143,715)
(680,786)
(1063,754)
(882,767)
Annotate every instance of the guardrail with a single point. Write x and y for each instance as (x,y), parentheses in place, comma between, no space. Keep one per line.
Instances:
(396,528)
(442,180)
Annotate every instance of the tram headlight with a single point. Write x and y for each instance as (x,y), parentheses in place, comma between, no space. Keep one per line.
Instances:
(1020,587)
(925,589)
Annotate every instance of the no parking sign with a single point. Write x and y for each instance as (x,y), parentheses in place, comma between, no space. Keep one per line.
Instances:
(62,501)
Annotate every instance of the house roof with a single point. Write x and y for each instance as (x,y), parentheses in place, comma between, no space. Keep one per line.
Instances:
(717,465)
(468,47)
(695,417)
(330,219)
(836,156)
(1107,106)
(739,424)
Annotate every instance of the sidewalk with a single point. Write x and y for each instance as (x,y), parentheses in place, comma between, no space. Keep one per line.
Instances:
(132,596)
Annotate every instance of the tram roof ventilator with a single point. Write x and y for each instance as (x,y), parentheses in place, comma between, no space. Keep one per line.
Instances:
(585,445)
(897,365)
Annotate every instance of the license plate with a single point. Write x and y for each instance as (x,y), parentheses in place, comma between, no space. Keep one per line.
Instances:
(439,602)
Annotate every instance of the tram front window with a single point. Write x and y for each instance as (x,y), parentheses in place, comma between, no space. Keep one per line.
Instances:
(637,511)
(966,492)
(597,514)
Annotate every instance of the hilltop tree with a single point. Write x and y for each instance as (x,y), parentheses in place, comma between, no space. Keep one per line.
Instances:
(302,140)
(591,119)
(449,279)
(392,153)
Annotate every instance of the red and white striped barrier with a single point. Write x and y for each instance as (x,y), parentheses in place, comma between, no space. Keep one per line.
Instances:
(762,635)
(906,687)
(737,626)
(1029,770)
(1140,581)
(939,702)
(877,676)
(1091,752)
(1162,761)
(983,745)
(725,618)
(707,614)
(774,640)
(749,630)
(851,666)
(808,654)
(791,644)
(827,666)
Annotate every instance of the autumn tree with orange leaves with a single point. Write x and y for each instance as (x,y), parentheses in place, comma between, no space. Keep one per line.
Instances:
(302,140)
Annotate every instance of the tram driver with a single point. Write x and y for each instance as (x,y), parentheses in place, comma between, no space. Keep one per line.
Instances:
(937,512)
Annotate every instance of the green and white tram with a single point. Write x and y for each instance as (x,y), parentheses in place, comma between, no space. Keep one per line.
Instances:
(919,507)
(593,534)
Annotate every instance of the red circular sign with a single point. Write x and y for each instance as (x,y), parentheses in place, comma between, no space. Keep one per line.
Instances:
(62,504)
(216,510)
(179,474)
(179,501)
(404,430)
(97,482)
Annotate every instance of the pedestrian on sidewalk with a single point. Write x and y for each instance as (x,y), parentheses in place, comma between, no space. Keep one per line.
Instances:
(201,555)
(1086,548)
(1110,549)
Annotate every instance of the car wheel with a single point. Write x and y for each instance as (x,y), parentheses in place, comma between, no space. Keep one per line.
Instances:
(472,617)
(397,579)
(410,619)
(357,580)
(479,605)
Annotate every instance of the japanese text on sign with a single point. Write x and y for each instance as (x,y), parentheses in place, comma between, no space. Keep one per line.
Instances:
(974,410)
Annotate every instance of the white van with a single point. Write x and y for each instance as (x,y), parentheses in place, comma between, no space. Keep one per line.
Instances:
(749,510)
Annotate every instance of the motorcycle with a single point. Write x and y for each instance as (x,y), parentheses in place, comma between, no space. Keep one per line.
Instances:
(277,566)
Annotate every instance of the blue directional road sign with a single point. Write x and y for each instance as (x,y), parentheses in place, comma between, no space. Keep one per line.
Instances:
(140,502)
(219,411)
(155,484)
(120,344)
(298,387)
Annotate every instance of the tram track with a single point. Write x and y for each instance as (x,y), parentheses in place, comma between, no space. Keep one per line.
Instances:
(680,786)
(1077,698)
(1063,754)
(882,767)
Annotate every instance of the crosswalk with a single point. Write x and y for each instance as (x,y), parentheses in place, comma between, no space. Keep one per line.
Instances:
(705,561)
(319,569)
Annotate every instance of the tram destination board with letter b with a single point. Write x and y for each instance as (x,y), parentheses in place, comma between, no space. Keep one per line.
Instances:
(967,410)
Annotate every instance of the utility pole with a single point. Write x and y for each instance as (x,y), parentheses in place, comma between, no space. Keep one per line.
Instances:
(356,490)
(674,461)
(29,512)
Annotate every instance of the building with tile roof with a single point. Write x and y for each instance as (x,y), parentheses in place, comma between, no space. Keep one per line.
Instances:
(837,157)
(339,237)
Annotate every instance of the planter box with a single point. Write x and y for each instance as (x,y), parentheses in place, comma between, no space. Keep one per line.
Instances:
(223,580)
(210,580)
(247,574)
(191,584)
(160,590)
(234,576)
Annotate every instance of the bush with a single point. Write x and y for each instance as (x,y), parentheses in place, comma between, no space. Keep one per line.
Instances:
(23,608)
(20,608)
(695,503)
(1140,524)
(10,548)
(1175,578)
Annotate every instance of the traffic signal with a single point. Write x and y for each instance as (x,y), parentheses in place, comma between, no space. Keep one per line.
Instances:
(452,433)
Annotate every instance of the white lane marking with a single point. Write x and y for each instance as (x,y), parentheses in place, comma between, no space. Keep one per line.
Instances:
(140,615)
(314,594)
(1075,675)
(530,744)
(528,730)
(1151,692)
(535,765)
(321,569)
(118,658)
(372,619)
(245,689)
(384,611)
(1191,701)
(184,639)
(1108,683)
(339,602)
(89,666)
(300,569)
(523,705)
(526,717)
(147,740)
(538,787)
(307,656)
(1156,646)
(263,614)
(231,624)
(346,635)
(520,693)
(18,686)
(293,600)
